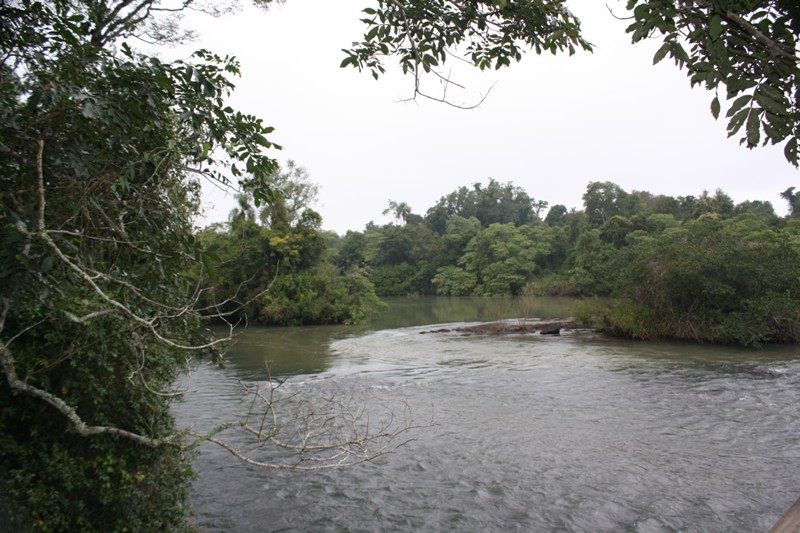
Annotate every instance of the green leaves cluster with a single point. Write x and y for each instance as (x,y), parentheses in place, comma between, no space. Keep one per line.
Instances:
(421,34)
(727,281)
(747,46)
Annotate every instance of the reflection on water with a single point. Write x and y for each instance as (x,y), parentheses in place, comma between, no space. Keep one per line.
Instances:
(405,312)
(577,433)
(306,350)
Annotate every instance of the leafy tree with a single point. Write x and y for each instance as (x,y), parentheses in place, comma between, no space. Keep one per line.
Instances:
(282,276)
(720,205)
(504,257)
(244,209)
(297,194)
(453,280)
(458,233)
(592,267)
(101,151)
(421,34)
(497,203)
(401,210)
(319,295)
(404,261)
(406,244)
(352,254)
(658,222)
(556,216)
(615,230)
(748,46)
(603,200)
(759,209)
(793,199)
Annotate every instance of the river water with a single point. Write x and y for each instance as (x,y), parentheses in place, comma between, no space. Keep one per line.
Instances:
(520,433)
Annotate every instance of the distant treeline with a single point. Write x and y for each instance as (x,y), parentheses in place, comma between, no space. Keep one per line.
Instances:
(699,268)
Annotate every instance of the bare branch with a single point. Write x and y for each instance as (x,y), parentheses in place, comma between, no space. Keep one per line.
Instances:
(318,436)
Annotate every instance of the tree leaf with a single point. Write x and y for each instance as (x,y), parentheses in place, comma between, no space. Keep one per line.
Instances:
(715,27)
(715,107)
(47,264)
(769,104)
(661,53)
(736,122)
(739,103)
(753,128)
(791,152)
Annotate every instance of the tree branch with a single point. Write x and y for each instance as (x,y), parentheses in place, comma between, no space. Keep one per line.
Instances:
(82,428)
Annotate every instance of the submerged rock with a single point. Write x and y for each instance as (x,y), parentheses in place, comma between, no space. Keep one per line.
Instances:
(521,327)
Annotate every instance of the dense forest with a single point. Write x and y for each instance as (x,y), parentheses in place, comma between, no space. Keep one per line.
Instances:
(272,265)
(699,268)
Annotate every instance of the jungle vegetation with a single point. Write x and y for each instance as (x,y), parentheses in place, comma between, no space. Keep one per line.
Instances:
(698,268)
(275,259)
(105,286)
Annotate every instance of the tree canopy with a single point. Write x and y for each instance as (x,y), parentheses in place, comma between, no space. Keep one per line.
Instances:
(699,268)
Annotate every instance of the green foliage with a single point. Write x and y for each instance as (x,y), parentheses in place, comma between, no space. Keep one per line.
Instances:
(281,275)
(497,203)
(452,280)
(593,265)
(556,216)
(319,296)
(353,252)
(459,231)
(409,243)
(402,279)
(297,194)
(693,267)
(733,281)
(604,200)
(504,257)
(101,149)
(488,33)
(749,46)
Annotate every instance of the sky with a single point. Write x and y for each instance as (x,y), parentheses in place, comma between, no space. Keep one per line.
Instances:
(550,124)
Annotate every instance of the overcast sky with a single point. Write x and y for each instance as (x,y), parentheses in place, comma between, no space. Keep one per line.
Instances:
(551,124)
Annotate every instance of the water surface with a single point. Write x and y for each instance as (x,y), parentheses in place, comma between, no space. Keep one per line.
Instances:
(532,433)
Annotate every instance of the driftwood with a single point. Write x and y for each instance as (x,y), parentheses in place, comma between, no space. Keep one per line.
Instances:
(522,327)
(790,522)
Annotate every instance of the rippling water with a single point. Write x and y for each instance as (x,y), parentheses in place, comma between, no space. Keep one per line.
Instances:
(570,433)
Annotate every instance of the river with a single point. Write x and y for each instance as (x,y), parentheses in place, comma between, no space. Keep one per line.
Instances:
(576,433)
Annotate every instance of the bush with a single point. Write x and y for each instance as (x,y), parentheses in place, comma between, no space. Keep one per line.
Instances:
(710,281)
(321,296)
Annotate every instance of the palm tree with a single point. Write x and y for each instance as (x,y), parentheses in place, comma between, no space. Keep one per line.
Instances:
(244,210)
(794,201)
(400,210)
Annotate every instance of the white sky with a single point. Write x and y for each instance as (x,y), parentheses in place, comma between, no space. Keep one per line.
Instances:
(551,124)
